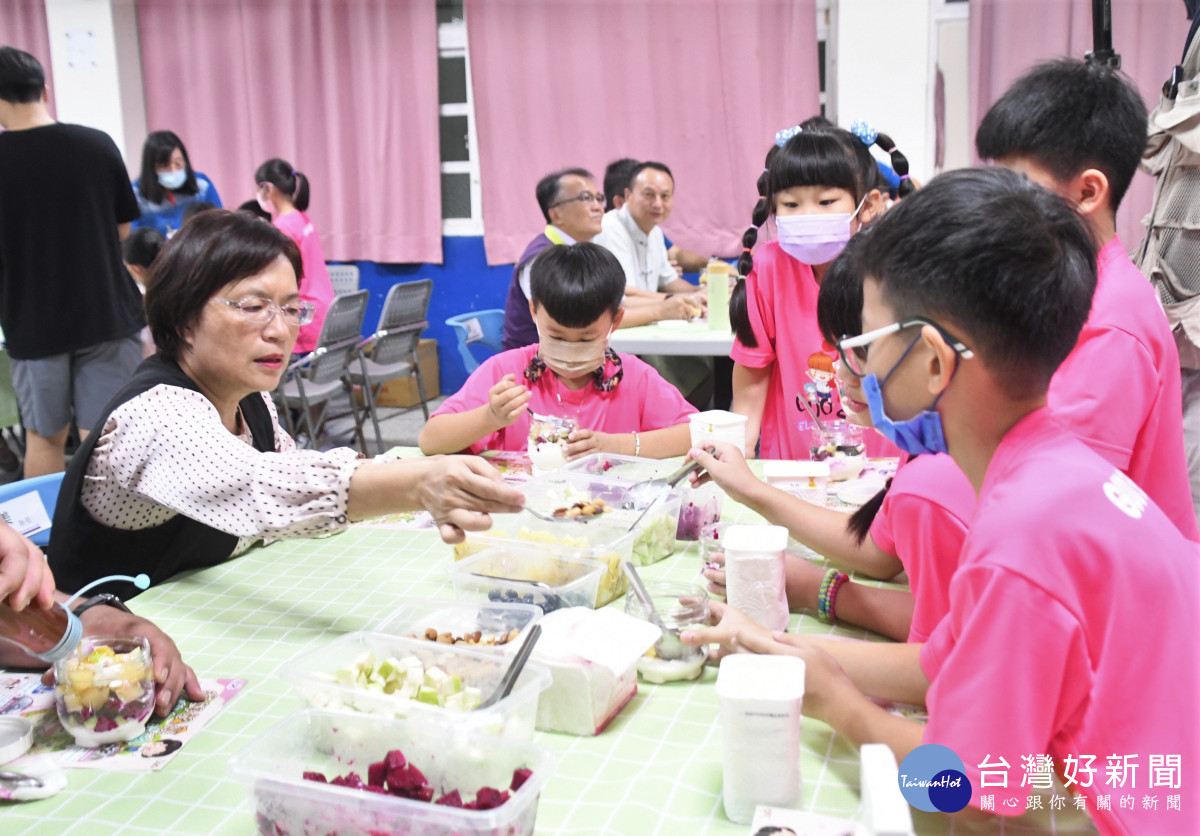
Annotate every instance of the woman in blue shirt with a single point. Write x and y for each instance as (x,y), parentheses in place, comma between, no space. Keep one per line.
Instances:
(169,184)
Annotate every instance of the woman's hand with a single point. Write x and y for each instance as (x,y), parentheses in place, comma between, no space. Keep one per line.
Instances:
(25,578)
(460,492)
(731,630)
(582,442)
(174,678)
(727,467)
(507,401)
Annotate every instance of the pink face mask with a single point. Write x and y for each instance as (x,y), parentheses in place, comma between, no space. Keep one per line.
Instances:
(815,239)
(572,359)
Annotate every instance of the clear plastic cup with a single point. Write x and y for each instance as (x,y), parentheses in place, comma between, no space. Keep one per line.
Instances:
(841,446)
(548,436)
(104,691)
(711,540)
(681,606)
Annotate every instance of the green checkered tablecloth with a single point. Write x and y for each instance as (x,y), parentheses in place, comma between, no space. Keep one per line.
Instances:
(655,770)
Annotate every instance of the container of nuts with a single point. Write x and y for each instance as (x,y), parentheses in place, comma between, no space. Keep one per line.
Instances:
(499,627)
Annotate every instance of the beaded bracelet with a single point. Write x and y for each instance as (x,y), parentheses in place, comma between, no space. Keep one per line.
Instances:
(830,584)
(637,444)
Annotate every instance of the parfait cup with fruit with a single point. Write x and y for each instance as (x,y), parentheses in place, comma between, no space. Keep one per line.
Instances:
(104,691)
(548,436)
(839,443)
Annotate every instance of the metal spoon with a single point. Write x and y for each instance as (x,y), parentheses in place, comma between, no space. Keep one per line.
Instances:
(649,490)
(14,780)
(804,404)
(514,668)
(669,646)
(579,518)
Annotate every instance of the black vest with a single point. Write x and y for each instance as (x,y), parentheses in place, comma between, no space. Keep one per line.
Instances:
(83,549)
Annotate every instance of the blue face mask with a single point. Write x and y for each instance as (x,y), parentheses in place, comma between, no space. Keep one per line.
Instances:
(172,179)
(919,434)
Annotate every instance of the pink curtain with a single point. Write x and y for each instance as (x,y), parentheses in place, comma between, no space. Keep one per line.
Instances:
(1147,34)
(700,86)
(23,25)
(344,90)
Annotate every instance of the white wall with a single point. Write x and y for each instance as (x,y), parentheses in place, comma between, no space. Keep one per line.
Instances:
(97,69)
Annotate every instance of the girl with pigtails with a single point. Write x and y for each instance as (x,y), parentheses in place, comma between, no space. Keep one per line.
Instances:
(821,187)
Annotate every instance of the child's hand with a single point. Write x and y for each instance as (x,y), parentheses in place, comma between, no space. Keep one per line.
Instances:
(714,573)
(727,467)
(507,401)
(733,631)
(583,442)
(825,681)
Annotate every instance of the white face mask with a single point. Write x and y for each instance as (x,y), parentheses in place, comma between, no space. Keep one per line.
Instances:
(572,359)
(815,239)
(172,179)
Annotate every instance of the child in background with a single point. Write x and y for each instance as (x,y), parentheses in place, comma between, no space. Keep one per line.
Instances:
(139,250)
(915,525)
(1076,603)
(1079,129)
(820,189)
(168,184)
(620,404)
(283,192)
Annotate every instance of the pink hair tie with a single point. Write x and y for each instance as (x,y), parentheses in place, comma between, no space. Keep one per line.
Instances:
(903,177)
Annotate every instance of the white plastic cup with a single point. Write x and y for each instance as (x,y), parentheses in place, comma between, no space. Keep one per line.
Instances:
(761,698)
(718,425)
(755,581)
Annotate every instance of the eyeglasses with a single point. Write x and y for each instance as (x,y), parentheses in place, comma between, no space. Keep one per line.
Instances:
(582,197)
(261,311)
(853,350)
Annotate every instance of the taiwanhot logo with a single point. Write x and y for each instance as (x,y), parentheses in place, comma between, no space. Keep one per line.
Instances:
(933,779)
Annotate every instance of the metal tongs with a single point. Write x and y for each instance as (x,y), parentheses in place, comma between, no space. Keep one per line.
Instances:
(651,491)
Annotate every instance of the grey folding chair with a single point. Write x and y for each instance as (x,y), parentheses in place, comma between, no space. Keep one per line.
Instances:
(391,351)
(343,277)
(313,380)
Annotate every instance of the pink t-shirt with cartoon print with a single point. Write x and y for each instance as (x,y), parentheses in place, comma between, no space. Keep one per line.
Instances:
(642,401)
(1119,389)
(923,522)
(781,295)
(1071,633)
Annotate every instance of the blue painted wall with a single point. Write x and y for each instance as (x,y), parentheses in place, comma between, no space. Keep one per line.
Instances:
(462,282)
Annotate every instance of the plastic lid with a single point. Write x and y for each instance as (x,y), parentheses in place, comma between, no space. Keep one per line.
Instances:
(16,736)
(718,418)
(755,538)
(67,644)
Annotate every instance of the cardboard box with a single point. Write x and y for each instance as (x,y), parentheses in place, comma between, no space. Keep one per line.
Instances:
(402,391)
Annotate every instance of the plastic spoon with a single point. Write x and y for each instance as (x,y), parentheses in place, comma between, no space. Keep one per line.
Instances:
(669,646)
(514,669)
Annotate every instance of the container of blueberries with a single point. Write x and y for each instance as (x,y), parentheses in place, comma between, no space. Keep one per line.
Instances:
(511,574)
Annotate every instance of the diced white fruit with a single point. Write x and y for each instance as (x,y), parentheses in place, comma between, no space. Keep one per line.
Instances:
(472,697)
(452,684)
(346,677)
(365,662)
(434,678)
(455,702)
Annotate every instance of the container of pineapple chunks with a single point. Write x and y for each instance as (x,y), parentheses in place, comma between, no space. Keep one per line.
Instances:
(395,676)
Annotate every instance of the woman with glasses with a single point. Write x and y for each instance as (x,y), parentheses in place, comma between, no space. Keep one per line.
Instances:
(283,194)
(916,524)
(188,465)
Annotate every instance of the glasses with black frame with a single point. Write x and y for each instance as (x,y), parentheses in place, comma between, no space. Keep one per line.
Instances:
(582,197)
(853,350)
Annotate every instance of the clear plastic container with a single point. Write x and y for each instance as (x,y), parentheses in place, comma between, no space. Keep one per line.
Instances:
(539,577)
(104,691)
(495,622)
(696,507)
(681,606)
(449,756)
(321,679)
(700,507)
(548,441)
(840,446)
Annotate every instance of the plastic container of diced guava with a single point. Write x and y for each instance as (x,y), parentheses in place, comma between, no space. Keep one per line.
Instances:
(450,756)
(318,675)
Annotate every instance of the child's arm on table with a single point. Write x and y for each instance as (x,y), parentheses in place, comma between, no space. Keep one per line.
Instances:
(750,399)
(451,432)
(651,444)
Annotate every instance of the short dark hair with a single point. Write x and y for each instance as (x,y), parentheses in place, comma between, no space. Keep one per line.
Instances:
(212,250)
(251,207)
(549,187)
(22,79)
(142,246)
(617,176)
(576,284)
(1004,265)
(280,174)
(1067,116)
(193,209)
(640,167)
(156,151)
(840,299)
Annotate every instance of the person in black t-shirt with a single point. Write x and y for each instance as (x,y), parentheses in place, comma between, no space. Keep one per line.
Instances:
(70,311)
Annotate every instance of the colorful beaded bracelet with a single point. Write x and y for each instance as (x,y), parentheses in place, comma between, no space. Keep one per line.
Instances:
(827,595)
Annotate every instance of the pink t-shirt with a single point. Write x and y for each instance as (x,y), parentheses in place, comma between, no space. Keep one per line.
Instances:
(315,286)
(781,294)
(1071,633)
(923,522)
(641,401)
(1119,389)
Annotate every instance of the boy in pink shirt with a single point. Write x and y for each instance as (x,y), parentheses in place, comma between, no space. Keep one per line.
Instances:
(1070,641)
(620,404)
(1079,130)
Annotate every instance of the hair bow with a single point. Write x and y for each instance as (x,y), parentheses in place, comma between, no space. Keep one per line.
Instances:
(864,131)
(782,136)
